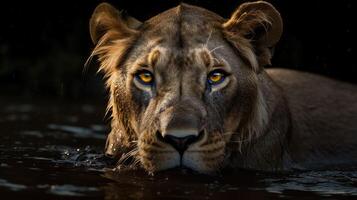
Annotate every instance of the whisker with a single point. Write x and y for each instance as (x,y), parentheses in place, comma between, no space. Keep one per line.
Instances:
(136,163)
(229,133)
(240,141)
(241,138)
(127,155)
(219,47)
(124,157)
(209,37)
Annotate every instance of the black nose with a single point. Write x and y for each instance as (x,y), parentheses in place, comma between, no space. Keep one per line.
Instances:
(180,143)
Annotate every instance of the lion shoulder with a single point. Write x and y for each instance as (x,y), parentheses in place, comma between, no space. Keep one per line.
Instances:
(324,116)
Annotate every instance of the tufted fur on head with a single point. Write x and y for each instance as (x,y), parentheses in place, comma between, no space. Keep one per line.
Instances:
(114,33)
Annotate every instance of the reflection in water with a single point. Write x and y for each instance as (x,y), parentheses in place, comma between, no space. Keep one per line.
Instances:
(325,183)
(19,108)
(247,184)
(56,151)
(71,190)
(79,131)
(11,186)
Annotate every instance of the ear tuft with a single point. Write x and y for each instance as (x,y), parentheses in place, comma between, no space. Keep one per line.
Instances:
(259,23)
(106,18)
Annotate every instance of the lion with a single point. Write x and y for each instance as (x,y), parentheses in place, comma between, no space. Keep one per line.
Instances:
(189,89)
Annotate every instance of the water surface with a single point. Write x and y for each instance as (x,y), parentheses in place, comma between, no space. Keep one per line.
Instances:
(54,150)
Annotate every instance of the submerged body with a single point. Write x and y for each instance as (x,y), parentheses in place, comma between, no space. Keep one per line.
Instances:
(323,120)
(188,88)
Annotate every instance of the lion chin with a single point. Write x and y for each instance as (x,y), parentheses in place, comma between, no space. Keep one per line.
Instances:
(172,160)
(188,89)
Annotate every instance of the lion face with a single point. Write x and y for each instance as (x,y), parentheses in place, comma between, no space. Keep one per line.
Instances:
(182,84)
(180,96)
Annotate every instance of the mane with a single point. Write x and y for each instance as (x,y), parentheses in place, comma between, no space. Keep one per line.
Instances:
(111,51)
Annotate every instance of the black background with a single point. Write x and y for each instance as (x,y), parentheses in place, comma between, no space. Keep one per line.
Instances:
(44,45)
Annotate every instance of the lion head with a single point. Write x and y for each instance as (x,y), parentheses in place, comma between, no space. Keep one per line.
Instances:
(184,85)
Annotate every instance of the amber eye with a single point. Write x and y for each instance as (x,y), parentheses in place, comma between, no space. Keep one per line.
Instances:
(216,77)
(145,77)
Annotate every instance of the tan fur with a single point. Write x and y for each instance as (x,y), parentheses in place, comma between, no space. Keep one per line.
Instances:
(255,118)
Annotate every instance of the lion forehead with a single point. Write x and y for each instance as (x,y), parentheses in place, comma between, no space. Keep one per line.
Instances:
(182,26)
(201,55)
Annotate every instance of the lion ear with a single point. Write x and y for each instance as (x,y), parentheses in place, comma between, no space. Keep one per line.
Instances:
(106,18)
(260,23)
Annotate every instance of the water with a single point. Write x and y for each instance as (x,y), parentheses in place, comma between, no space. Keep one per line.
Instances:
(54,150)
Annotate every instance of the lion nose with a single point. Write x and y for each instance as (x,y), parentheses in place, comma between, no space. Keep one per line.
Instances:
(180,141)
